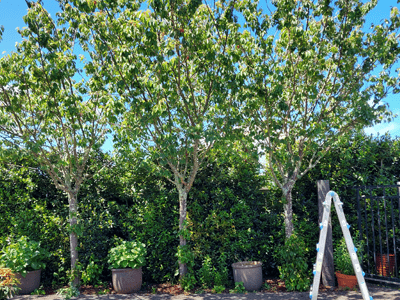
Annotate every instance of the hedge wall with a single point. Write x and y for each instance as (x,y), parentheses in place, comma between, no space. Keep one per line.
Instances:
(227,212)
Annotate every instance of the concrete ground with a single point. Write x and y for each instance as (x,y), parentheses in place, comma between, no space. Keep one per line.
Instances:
(378,293)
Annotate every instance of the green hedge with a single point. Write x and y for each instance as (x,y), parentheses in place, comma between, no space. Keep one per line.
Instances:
(31,206)
(227,212)
(362,160)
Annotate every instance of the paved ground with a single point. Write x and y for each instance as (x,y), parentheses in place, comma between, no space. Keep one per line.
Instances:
(378,293)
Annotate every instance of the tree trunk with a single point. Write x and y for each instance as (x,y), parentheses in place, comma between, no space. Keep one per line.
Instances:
(182,219)
(73,237)
(288,211)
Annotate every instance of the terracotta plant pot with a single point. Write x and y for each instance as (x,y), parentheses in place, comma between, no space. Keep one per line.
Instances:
(385,264)
(344,281)
(126,281)
(248,272)
(30,283)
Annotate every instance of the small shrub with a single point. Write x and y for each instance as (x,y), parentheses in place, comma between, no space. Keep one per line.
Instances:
(266,286)
(206,272)
(154,290)
(8,283)
(221,275)
(219,289)
(188,282)
(92,273)
(39,291)
(210,275)
(200,291)
(293,267)
(60,277)
(68,293)
(239,288)
(186,256)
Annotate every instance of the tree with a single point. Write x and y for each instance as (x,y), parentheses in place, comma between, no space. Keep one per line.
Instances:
(46,113)
(173,69)
(314,81)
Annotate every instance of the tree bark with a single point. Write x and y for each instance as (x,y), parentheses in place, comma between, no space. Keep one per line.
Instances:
(182,218)
(288,211)
(73,237)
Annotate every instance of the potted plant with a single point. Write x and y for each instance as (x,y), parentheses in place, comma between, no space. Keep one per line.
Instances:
(345,271)
(126,261)
(26,259)
(248,272)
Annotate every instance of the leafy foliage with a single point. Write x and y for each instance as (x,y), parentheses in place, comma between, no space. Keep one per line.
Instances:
(171,70)
(147,213)
(127,255)
(292,264)
(361,160)
(185,256)
(188,282)
(212,274)
(312,81)
(46,112)
(239,288)
(342,258)
(123,202)
(171,82)
(229,215)
(68,292)
(24,255)
(206,272)
(219,289)
(91,275)
(39,292)
(8,284)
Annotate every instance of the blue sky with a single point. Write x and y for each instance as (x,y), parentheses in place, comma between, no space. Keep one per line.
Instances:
(12,11)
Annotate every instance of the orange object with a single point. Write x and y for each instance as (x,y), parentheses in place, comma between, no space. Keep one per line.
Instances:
(349,281)
(7,277)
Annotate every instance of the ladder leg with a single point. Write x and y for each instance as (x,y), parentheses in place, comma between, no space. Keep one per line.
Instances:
(350,247)
(321,247)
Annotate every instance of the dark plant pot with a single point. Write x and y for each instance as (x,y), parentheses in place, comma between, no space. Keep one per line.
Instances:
(344,281)
(30,283)
(248,272)
(126,281)
(385,264)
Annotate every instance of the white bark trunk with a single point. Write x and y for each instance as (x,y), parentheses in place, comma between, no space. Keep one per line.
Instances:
(73,237)
(288,212)
(182,219)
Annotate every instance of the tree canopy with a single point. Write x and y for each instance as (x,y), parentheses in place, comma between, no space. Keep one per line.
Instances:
(172,71)
(313,79)
(180,78)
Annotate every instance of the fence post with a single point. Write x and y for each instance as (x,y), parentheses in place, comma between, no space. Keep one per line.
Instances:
(398,188)
(328,273)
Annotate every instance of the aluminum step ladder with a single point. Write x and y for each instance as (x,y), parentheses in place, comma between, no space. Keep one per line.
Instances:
(349,242)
